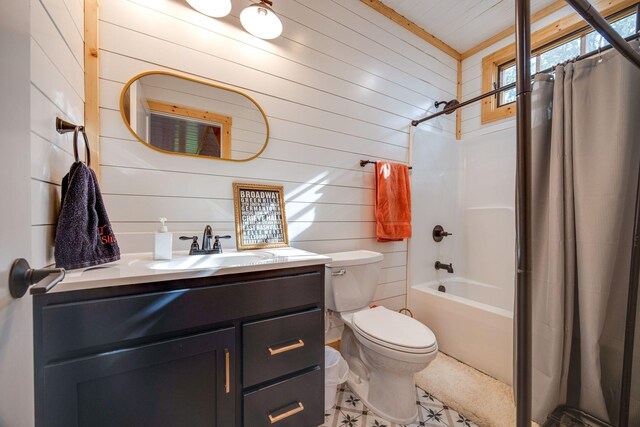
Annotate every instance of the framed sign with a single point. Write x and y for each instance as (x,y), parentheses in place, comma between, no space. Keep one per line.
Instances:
(260,218)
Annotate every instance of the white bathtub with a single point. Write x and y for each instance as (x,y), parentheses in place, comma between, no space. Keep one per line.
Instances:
(473,322)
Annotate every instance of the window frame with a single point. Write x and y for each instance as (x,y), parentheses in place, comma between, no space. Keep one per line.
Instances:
(543,40)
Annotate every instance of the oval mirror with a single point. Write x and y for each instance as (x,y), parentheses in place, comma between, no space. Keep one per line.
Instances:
(179,115)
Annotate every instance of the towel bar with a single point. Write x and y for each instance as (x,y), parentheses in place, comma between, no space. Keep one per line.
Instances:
(363,163)
(22,276)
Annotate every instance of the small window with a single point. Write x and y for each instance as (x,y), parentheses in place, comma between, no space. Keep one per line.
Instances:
(625,26)
(559,54)
(508,76)
(499,68)
(187,130)
(181,135)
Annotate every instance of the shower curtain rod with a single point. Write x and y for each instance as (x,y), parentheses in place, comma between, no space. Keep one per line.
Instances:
(512,85)
(462,104)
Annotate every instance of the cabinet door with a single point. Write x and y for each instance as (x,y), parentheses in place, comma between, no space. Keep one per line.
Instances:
(179,382)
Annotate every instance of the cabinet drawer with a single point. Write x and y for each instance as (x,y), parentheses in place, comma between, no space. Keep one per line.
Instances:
(282,345)
(72,327)
(296,402)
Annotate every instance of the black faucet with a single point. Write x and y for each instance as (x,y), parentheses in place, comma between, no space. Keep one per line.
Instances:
(207,249)
(206,238)
(441,266)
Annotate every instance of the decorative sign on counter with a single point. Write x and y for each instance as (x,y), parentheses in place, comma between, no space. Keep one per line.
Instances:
(260,218)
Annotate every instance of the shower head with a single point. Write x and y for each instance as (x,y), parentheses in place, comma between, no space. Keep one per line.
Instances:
(447,105)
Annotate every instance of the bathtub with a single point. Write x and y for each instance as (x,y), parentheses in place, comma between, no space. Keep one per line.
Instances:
(472,321)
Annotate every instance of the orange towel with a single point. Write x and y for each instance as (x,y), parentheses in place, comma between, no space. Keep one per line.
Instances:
(393,202)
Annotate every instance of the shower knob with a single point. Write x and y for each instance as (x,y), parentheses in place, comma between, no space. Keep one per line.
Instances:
(439,233)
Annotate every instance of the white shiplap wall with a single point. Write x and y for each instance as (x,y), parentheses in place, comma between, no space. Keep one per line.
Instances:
(341,84)
(57,89)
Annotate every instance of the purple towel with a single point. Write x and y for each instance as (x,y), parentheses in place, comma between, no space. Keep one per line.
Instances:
(83,236)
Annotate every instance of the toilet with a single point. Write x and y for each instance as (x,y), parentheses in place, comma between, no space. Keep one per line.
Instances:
(384,349)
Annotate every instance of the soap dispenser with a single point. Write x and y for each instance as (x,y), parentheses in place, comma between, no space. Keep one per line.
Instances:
(163,242)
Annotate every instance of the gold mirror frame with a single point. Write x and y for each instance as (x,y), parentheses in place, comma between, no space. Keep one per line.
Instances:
(166,73)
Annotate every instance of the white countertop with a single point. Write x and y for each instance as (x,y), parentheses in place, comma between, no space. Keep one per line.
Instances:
(140,268)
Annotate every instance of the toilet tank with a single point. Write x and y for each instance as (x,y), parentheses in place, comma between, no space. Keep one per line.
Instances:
(351,279)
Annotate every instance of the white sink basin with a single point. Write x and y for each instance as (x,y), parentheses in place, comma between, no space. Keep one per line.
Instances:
(203,262)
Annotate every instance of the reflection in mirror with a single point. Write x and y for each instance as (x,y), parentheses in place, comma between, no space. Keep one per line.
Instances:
(179,115)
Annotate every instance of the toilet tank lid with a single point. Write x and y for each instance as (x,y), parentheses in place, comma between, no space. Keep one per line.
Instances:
(344,259)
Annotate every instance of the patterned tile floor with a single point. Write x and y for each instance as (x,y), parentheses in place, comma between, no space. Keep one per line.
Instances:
(350,412)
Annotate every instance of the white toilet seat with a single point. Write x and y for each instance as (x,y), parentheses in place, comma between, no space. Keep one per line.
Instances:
(393,334)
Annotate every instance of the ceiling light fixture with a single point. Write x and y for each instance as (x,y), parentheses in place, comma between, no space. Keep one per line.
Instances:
(213,8)
(260,20)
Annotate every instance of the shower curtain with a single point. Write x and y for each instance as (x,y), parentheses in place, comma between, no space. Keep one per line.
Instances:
(586,154)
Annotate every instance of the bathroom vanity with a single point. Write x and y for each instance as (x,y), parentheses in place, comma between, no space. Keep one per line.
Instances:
(128,345)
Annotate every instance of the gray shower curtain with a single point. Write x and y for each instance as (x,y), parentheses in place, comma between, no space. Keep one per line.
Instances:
(586,154)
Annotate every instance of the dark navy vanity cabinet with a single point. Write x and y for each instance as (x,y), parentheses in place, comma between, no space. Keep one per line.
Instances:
(224,351)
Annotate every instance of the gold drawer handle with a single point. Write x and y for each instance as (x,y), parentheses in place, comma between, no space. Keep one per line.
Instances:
(287,414)
(290,347)
(227,382)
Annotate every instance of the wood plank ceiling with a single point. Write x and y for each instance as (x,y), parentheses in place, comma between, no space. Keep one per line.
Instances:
(461,24)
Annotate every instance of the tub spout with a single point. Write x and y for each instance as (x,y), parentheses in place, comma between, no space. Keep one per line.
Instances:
(441,266)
